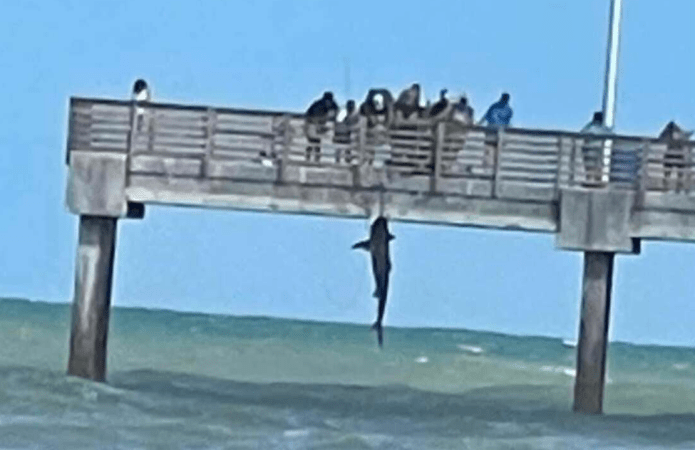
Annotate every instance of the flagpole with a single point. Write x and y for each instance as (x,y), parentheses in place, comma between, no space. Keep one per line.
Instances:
(611,79)
(609,89)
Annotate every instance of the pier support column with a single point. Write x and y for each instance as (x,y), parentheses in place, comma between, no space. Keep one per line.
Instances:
(593,332)
(92,301)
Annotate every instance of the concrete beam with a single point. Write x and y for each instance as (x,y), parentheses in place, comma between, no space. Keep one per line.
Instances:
(593,332)
(92,301)
(596,221)
(96,184)
(455,210)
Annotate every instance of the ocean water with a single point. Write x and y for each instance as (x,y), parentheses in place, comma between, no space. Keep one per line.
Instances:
(178,380)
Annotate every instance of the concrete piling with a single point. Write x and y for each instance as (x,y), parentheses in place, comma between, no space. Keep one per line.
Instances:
(92,298)
(593,332)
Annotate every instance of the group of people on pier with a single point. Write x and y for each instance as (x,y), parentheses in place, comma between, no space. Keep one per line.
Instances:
(381,111)
(625,163)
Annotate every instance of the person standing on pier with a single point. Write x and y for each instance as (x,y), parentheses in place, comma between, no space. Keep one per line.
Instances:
(318,115)
(498,115)
(592,150)
(141,94)
(408,103)
(344,130)
(378,108)
(462,112)
(677,156)
(442,107)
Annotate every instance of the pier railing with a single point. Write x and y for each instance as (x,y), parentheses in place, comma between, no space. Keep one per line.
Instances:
(444,157)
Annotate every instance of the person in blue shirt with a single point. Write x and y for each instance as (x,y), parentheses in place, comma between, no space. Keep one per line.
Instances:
(499,114)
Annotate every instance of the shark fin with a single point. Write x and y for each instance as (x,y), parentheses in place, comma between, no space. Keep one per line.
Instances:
(364,245)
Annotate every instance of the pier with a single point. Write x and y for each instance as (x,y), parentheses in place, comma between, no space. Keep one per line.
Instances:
(598,194)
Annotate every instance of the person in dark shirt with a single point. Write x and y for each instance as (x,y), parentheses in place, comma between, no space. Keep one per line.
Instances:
(318,115)
(408,102)
(323,109)
(499,114)
(676,155)
(441,107)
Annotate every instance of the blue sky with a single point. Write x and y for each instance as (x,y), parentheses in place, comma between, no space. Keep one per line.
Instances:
(278,54)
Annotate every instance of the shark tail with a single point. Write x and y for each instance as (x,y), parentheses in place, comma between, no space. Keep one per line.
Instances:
(379,333)
(364,245)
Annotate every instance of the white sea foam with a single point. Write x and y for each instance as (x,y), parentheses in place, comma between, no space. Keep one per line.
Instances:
(569,371)
(470,349)
(303,432)
(571,343)
(422,360)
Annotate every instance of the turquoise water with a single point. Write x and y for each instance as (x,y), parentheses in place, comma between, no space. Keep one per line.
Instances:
(179,380)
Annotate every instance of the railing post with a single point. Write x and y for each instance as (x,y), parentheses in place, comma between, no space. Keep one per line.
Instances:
(361,151)
(362,141)
(688,166)
(437,149)
(131,141)
(573,163)
(642,174)
(210,125)
(71,129)
(150,129)
(560,153)
(329,138)
(285,149)
(357,150)
(496,163)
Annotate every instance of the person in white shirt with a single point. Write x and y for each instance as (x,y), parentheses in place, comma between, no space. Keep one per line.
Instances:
(141,94)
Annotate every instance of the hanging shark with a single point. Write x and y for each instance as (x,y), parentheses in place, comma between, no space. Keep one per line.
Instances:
(378,246)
